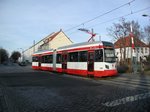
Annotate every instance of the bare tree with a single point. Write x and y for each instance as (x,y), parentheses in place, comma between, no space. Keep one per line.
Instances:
(15,56)
(120,30)
(3,55)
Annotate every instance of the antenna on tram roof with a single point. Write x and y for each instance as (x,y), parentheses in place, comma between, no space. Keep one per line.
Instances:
(89,32)
(100,38)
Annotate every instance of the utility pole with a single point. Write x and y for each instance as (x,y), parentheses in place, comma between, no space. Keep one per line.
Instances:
(99,38)
(133,52)
(131,36)
(33,46)
(22,54)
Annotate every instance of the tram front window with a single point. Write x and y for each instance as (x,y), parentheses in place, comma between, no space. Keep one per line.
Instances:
(110,55)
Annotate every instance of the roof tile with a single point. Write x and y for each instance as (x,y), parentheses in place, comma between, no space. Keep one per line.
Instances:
(126,42)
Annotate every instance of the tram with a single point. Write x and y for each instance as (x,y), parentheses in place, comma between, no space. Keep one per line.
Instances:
(85,59)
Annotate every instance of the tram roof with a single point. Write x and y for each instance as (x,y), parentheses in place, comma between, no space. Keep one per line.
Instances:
(105,43)
(86,43)
(42,51)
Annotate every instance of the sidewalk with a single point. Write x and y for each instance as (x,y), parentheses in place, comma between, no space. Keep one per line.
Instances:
(147,73)
(15,68)
(132,75)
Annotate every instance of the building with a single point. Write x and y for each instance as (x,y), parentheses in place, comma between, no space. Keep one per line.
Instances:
(52,41)
(124,50)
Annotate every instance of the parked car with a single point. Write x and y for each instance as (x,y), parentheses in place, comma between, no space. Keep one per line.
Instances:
(22,64)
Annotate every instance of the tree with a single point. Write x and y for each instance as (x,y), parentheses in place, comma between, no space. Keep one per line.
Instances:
(3,55)
(15,56)
(123,29)
(147,33)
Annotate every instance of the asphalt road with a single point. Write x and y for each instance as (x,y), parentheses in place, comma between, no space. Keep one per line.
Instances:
(25,90)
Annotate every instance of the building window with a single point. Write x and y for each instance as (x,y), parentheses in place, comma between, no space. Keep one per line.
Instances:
(145,49)
(99,55)
(83,56)
(138,50)
(73,57)
(141,49)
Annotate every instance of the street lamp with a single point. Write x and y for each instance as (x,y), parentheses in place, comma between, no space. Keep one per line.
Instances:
(22,54)
(145,15)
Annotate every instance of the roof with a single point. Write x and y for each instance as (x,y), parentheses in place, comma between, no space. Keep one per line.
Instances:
(126,42)
(49,38)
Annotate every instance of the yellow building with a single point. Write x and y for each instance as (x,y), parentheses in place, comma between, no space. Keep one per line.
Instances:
(52,41)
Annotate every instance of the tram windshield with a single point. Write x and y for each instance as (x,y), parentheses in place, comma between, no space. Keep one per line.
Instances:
(34,59)
(110,55)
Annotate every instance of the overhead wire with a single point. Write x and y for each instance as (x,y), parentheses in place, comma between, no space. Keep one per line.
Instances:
(126,15)
(83,23)
(107,20)
(120,17)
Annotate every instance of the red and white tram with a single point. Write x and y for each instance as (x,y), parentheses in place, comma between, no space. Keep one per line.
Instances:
(86,59)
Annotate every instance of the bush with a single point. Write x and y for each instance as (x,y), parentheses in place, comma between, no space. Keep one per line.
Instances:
(122,68)
(3,55)
(148,59)
(15,56)
(147,67)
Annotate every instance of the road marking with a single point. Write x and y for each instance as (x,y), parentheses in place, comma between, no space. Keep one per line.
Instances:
(126,100)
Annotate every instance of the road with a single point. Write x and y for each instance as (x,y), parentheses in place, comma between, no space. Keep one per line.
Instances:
(25,90)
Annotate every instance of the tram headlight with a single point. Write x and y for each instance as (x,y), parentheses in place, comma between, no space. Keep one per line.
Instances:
(106,66)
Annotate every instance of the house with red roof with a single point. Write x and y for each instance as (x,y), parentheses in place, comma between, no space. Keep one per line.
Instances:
(125,50)
(52,41)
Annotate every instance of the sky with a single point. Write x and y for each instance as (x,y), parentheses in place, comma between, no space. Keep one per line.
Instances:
(25,21)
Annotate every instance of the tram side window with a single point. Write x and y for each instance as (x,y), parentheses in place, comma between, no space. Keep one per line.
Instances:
(50,58)
(34,59)
(83,56)
(58,59)
(43,59)
(47,59)
(99,55)
(73,57)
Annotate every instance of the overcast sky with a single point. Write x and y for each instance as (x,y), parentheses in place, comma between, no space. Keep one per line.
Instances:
(23,21)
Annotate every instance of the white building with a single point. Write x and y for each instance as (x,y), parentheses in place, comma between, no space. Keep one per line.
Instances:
(52,41)
(140,49)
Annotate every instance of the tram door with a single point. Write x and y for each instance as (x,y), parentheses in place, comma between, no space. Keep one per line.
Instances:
(91,63)
(39,62)
(64,62)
